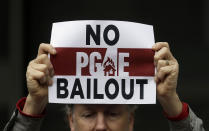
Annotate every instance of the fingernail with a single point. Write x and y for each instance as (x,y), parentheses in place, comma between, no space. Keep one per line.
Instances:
(50,83)
(156,80)
(52,73)
(54,51)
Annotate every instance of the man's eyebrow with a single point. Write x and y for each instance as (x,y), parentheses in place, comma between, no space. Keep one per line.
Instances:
(88,107)
(92,106)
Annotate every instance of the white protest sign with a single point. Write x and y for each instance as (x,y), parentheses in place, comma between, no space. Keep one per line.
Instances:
(103,62)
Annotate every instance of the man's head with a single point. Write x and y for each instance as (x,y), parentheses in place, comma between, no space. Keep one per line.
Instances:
(86,117)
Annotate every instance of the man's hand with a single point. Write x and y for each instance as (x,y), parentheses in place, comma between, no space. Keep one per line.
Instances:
(166,78)
(39,76)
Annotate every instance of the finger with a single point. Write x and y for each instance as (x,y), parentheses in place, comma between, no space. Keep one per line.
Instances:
(162,63)
(163,72)
(40,67)
(45,49)
(163,54)
(49,81)
(156,79)
(43,68)
(160,45)
(32,74)
(51,72)
(46,80)
(43,59)
(43,81)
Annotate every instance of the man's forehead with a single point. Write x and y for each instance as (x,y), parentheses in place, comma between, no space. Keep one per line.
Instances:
(100,106)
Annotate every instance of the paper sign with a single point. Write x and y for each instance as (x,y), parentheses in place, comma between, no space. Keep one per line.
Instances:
(103,62)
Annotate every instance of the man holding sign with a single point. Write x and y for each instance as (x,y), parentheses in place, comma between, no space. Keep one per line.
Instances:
(100,83)
(103,64)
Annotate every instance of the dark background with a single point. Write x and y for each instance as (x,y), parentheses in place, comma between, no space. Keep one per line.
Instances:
(24,24)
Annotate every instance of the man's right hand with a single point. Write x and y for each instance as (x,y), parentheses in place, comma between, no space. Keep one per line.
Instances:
(39,76)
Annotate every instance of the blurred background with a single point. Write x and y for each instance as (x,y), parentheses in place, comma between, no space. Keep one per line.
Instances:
(184,24)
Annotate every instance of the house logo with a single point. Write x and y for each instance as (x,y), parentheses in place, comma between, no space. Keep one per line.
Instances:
(109,67)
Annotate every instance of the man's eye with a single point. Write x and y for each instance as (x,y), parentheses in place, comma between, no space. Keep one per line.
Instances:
(87,115)
(113,114)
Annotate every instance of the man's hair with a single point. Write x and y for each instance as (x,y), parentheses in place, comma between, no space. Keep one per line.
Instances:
(69,108)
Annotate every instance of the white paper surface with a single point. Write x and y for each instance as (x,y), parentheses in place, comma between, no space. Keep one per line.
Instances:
(101,69)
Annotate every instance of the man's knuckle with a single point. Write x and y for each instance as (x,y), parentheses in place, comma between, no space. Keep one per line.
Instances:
(165,49)
(51,67)
(162,93)
(44,56)
(30,77)
(42,45)
(28,68)
(160,62)
(175,67)
(156,57)
(46,72)
(166,44)
(28,72)
(42,74)
(159,66)
(161,70)
(31,62)
(44,66)
(176,62)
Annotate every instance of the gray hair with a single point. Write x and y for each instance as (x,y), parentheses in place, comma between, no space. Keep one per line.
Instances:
(69,108)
